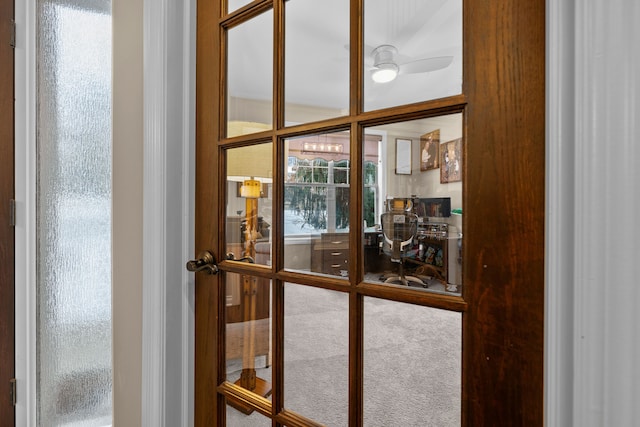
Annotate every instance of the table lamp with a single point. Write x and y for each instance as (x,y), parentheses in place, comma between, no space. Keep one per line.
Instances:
(246,165)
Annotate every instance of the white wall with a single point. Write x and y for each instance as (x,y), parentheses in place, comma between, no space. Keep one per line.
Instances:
(128,137)
(421,183)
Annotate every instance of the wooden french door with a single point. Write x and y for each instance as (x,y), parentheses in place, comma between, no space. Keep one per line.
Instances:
(296,200)
(7,251)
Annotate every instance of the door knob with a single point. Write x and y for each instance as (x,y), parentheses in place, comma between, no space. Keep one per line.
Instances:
(206,262)
(232,257)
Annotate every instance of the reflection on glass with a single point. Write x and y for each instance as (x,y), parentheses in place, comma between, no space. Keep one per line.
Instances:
(316,203)
(248,333)
(413,235)
(236,4)
(316,60)
(250,76)
(316,354)
(236,418)
(317,200)
(412,365)
(249,203)
(412,52)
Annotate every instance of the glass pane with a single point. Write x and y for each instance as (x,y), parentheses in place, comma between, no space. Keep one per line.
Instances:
(316,60)
(413,235)
(412,52)
(316,204)
(236,418)
(250,76)
(249,203)
(412,365)
(74,213)
(248,336)
(316,354)
(236,4)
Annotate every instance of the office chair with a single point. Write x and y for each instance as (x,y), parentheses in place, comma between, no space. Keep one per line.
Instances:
(399,229)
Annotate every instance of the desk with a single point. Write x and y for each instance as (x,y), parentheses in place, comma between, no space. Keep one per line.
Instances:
(330,254)
(374,260)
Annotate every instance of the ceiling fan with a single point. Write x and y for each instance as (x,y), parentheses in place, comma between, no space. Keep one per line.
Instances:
(388,63)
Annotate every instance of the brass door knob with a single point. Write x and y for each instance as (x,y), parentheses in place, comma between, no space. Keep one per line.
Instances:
(206,262)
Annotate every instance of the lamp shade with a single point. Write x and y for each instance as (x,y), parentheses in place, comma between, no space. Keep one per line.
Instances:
(251,189)
(248,163)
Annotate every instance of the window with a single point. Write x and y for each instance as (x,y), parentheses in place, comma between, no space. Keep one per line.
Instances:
(317,184)
(74,212)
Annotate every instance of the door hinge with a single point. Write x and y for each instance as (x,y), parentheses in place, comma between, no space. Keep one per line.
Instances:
(12,38)
(14,391)
(12,213)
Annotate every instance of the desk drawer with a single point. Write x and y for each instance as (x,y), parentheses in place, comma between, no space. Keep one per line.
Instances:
(334,260)
(333,251)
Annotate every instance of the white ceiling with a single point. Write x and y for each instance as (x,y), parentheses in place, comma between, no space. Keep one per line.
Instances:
(317,49)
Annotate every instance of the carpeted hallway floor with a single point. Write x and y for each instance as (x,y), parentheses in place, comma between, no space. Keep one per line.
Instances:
(412,362)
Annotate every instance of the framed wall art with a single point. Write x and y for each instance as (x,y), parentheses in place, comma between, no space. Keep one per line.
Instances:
(429,150)
(403,156)
(451,161)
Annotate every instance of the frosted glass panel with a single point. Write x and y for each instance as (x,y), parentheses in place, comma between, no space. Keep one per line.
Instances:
(74,213)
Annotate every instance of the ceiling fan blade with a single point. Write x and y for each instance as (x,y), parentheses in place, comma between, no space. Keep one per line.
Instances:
(408,19)
(425,65)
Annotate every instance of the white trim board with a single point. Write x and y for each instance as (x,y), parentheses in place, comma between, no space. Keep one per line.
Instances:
(25,190)
(606,244)
(559,214)
(592,341)
(169,145)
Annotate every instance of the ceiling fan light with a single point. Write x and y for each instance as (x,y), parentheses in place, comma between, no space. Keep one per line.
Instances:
(384,73)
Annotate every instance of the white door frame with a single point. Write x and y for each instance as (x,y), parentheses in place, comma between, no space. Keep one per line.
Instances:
(25,190)
(169,194)
(592,339)
(559,214)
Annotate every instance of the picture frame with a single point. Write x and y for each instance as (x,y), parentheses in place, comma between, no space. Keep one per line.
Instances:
(451,161)
(403,156)
(430,150)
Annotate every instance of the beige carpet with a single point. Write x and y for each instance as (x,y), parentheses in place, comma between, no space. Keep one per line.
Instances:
(412,362)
